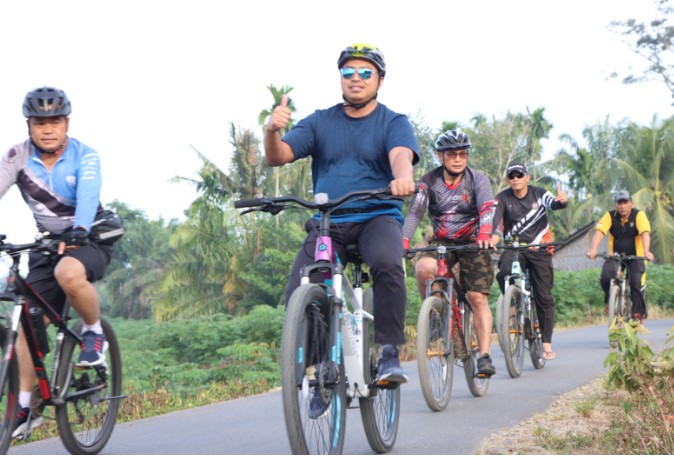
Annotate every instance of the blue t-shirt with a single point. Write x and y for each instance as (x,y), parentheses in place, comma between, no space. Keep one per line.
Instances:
(353,154)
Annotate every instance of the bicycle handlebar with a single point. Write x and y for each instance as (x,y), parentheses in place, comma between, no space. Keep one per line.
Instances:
(444,248)
(42,243)
(620,256)
(321,203)
(517,246)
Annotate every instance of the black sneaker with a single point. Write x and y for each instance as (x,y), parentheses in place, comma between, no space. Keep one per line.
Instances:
(93,349)
(485,367)
(318,406)
(23,424)
(388,368)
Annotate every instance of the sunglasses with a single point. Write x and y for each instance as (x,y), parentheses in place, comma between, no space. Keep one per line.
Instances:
(350,72)
(454,154)
(515,175)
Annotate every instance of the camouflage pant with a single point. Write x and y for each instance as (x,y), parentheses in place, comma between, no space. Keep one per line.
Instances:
(476,268)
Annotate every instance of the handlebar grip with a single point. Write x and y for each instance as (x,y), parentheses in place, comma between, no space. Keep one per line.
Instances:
(249,202)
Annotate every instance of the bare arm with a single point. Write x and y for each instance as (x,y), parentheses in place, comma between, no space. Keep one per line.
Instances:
(276,151)
(646,243)
(403,171)
(596,239)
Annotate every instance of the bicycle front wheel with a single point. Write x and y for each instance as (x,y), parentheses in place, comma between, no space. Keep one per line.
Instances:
(91,397)
(510,329)
(435,352)
(536,343)
(9,392)
(613,303)
(314,387)
(477,385)
(380,412)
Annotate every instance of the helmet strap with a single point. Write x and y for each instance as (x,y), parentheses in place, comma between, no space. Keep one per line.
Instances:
(45,151)
(357,106)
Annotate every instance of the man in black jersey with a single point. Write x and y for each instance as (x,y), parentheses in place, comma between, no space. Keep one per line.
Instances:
(521,212)
(629,232)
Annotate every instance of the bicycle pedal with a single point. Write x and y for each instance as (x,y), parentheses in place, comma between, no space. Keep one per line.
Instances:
(482,376)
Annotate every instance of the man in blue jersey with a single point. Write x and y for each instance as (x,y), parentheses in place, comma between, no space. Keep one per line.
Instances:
(358,144)
(60,180)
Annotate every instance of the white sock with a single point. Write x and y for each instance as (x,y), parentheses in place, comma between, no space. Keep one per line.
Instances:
(96,328)
(24,399)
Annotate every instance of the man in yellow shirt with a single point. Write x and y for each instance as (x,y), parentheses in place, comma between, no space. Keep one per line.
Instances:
(628,232)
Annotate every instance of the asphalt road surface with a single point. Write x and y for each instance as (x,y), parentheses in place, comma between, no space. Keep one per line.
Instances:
(254,425)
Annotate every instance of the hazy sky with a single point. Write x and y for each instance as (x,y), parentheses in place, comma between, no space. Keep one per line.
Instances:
(149,80)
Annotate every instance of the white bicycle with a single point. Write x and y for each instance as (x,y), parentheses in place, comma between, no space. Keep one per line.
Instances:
(328,354)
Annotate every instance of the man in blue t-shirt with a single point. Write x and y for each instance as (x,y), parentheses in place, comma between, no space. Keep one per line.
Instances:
(358,144)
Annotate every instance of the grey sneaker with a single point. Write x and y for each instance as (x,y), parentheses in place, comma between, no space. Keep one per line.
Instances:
(485,368)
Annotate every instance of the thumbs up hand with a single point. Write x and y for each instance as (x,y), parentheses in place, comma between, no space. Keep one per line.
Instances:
(561,195)
(279,117)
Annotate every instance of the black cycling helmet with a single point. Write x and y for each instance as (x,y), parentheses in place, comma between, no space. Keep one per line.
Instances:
(46,102)
(452,139)
(366,52)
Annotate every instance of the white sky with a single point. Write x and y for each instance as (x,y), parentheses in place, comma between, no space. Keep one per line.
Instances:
(149,79)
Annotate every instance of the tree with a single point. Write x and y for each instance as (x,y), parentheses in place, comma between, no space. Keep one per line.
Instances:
(654,42)
(137,265)
(647,169)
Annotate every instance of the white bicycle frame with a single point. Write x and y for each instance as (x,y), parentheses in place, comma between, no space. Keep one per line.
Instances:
(351,338)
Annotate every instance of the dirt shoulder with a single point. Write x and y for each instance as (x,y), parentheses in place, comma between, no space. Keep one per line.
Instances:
(566,427)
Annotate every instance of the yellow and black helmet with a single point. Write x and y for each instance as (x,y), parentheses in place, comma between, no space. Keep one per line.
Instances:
(366,52)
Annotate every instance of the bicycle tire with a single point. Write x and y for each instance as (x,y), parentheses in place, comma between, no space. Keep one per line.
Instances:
(477,385)
(85,422)
(613,303)
(435,352)
(9,391)
(381,411)
(536,344)
(510,329)
(305,344)
(626,303)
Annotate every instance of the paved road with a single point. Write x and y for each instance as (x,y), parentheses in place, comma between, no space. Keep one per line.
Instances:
(254,425)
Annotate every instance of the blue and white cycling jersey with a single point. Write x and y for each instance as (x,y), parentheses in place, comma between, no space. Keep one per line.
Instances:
(61,198)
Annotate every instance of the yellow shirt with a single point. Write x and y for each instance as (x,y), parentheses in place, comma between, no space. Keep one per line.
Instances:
(642,225)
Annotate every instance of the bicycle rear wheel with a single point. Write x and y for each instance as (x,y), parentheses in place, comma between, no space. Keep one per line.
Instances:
(477,385)
(510,329)
(314,388)
(92,396)
(435,352)
(9,392)
(381,411)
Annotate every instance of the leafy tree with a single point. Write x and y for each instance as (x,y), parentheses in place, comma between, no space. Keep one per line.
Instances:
(137,265)
(654,42)
(647,169)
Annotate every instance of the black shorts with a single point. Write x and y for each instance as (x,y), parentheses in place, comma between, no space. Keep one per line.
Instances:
(95,258)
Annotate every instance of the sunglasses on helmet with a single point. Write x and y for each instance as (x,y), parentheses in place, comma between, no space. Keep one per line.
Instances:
(350,72)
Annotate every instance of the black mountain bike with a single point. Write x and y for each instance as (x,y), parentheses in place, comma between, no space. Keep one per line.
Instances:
(328,354)
(446,335)
(516,317)
(86,400)
(619,298)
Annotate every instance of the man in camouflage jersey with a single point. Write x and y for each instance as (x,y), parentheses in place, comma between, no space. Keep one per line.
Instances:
(460,204)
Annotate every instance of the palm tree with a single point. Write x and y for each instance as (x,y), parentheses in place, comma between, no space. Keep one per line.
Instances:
(647,169)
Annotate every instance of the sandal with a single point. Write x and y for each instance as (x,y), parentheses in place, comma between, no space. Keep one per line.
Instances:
(548,355)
